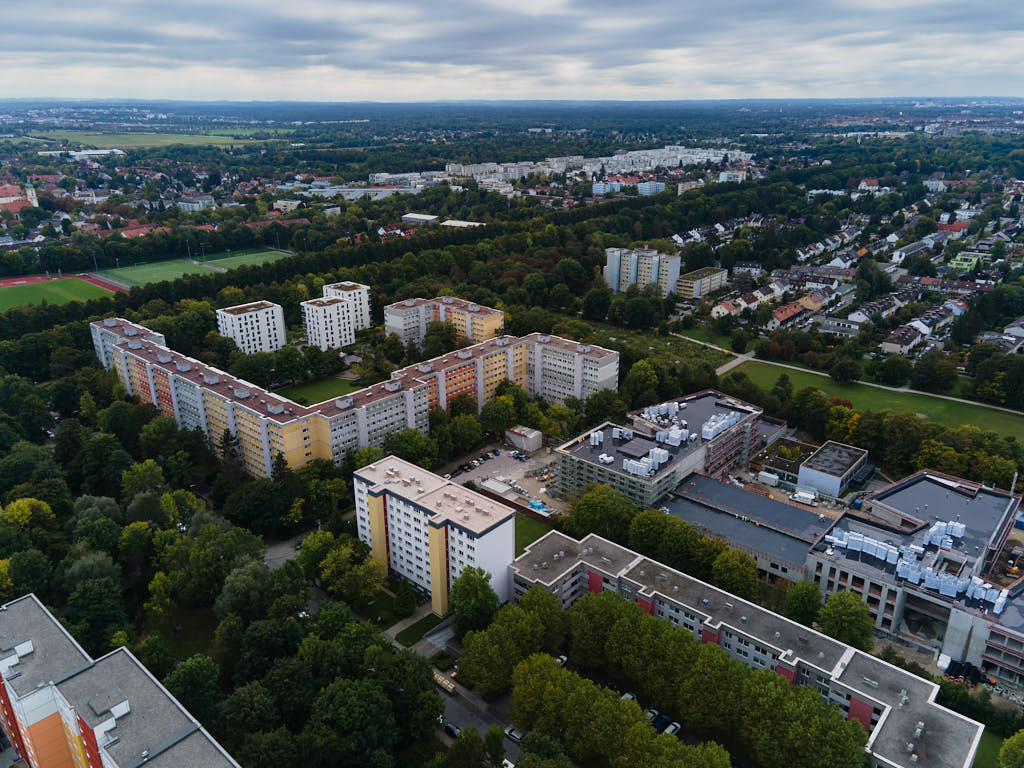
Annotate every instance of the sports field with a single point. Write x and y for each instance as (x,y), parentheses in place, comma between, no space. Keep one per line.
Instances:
(156,271)
(52,292)
(130,140)
(865,398)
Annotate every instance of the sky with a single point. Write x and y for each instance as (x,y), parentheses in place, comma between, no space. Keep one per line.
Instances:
(401,50)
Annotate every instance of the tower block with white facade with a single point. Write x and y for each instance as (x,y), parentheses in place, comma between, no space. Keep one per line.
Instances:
(428,530)
(254,327)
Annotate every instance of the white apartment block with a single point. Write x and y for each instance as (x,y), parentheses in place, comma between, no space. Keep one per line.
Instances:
(642,267)
(331,322)
(410,318)
(358,294)
(428,530)
(558,368)
(254,327)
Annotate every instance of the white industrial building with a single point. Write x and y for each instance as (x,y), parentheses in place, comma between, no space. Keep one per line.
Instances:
(254,327)
(428,530)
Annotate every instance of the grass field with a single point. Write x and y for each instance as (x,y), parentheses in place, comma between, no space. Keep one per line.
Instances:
(318,391)
(988,750)
(415,632)
(528,530)
(156,271)
(130,140)
(666,350)
(53,292)
(867,398)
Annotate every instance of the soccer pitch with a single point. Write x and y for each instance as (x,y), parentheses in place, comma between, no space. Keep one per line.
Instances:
(156,271)
(52,292)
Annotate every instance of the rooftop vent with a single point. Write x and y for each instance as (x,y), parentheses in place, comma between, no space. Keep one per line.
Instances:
(743,619)
(871,683)
(273,407)
(211,378)
(242,392)
(163,357)
(392,386)
(183,366)
(110,322)
(343,402)
(464,354)
(130,330)
(426,367)
(543,339)
(134,344)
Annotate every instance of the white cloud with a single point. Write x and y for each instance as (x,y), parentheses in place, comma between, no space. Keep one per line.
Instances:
(497,49)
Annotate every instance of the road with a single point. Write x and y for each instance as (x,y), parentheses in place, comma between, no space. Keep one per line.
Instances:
(280,552)
(464,713)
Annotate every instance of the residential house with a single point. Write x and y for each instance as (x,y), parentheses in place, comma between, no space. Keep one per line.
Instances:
(901,341)
(785,315)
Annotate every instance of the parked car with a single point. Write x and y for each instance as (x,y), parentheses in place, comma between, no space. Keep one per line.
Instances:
(496,452)
(452,730)
(628,697)
(506,763)
(456,473)
(673,728)
(561,660)
(448,477)
(514,734)
(651,714)
(661,723)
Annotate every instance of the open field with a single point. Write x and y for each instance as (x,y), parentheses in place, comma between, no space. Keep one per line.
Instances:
(867,398)
(528,530)
(248,131)
(131,140)
(666,350)
(988,750)
(52,292)
(155,271)
(232,259)
(318,391)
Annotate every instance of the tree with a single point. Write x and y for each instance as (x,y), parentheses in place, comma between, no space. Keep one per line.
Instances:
(95,612)
(144,477)
(847,618)
(604,511)
(596,303)
(739,340)
(494,745)
(248,710)
(289,364)
(351,725)
(553,618)
(439,337)
(30,571)
(28,513)
(934,372)
(368,455)
(846,369)
(194,684)
(161,599)
(466,432)
(413,446)
(1011,753)
(736,572)
(242,593)
(803,602)
(468,750)
(91,565)
(315,547)
(473,602)
(497,415)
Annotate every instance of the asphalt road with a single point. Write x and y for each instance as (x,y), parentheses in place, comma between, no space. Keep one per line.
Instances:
(462,713)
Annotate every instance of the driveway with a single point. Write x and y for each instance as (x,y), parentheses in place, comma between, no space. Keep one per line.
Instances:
(280,552)
(464,713)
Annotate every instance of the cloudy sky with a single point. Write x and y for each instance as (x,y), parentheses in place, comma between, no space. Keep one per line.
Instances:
(401,50)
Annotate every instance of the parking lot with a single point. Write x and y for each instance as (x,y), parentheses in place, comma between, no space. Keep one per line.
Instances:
(511,471)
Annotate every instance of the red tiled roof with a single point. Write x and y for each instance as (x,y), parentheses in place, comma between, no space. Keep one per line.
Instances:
(956,226)
(15,206)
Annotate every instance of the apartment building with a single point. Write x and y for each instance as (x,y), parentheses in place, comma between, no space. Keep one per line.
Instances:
(428,530)
(705,432)
(254,327)
(331,322)
(641,267)
(409,319)
(701,282)
(60,708)
(558,368)
(897,709)
(264,424)
(356,293)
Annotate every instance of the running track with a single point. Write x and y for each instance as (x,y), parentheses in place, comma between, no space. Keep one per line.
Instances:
(7,282)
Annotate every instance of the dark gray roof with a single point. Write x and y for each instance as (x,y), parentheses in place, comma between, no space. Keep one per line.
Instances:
(54,652)
(834,458)
(156,727)
(748,520)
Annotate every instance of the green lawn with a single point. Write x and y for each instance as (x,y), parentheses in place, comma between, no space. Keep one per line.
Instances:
(867,398)
(156,271)
(528,530)
(53,292)
(381,611)
(701,334)
(232,259)
(988,750)
(127,140)
(667,350)
(415,632)
(318,391)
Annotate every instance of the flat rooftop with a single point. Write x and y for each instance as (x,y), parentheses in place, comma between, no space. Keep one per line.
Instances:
(568,345)
(156,725)
(244,309)
(695,409)
(52,654)
(346,285)
(754,521)
(697,274)
(621,449)
(450,302)
(948,739)
(835,459)
(446,501)
(327,301)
